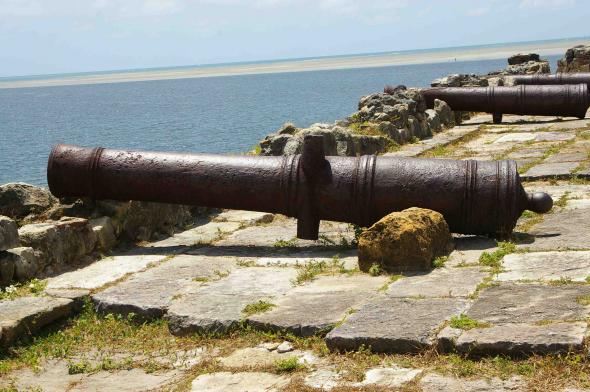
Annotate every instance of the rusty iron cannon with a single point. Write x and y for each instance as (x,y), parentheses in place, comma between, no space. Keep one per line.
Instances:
(558,78)
(547,100)
(474,197)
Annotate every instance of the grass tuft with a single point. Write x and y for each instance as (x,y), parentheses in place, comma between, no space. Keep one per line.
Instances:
(288,365)
(464,322)
(260,306)
(440,261)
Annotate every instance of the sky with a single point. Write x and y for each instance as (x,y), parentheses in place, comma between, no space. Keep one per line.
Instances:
(63,36)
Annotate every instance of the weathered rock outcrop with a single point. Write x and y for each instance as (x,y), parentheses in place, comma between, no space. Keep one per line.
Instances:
(523,58)
(406,240)
(8,233)
(577,59)
(23,201)
(383,120)
(460,80)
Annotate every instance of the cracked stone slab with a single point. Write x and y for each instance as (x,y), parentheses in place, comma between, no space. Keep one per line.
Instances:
(323,379)
(317,306)
(523,339)
(348,258)
(53,376)
(105,271)
(517,137)
(394,324)
(199,235)
(433,382)
(244,217)
(468,249)
(440,282)
(239,382)
(26,315)
(391,377)
(262,357)
(578,204)
(331,235)
(217,306)
(564,229)
(148,294)
(528,303)
(567,157)
(549,170)
(574,265)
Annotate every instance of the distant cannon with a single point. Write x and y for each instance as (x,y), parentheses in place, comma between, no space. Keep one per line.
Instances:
(474,197)
(558,78)
(547,100)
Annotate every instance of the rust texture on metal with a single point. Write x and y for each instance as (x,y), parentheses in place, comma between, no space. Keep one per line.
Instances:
(547,100)
(558,78)
(475,197)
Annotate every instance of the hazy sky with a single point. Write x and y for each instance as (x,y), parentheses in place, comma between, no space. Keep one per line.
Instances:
(54,36)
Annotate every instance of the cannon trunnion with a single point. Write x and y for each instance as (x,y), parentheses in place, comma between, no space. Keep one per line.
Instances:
(475,197)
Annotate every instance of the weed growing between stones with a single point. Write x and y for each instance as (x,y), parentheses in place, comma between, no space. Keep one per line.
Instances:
(292,243)
(464,322)
(440,261)
(260,306)
(288,365)
(33,287)
(494,259)
(375,270)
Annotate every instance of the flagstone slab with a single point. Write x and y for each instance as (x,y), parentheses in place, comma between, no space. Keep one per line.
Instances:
(200,235)
(567,157)
(53,376)
(260,357)
(244,217)
(440,282)
(529,303)
(468,249)
(27,315)
(148,294)
(106,270)
(557,191)
(433,382)
(546,266)
(523,339)
(549,170)
(317,306)
(564,229)
(282,233)
(394,325)
(391,377)
(218,306)
(577,204)
(239,382)
(516,137)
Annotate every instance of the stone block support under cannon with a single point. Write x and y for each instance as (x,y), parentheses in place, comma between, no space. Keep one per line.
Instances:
(547,100)
(474,197)
(558,78)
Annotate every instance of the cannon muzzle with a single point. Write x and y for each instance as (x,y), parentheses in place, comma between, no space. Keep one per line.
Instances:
(474,197)
(558,78)
(547,100)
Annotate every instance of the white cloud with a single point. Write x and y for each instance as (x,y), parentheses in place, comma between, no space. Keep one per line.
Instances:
(478,11)
(546,3)
(21,7)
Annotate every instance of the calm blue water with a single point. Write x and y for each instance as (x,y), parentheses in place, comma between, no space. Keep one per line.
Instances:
(228,114)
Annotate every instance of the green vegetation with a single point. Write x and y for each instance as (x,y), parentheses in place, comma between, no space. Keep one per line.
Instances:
(288,365)
(464,322)
(257,307)
(440,261)
(292,243)
(308,271)
(375,270)
(32,287)
(494,259)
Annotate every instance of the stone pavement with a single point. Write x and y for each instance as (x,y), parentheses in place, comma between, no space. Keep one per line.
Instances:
(245,269)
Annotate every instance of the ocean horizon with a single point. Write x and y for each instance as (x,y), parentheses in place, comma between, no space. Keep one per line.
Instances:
(217,114)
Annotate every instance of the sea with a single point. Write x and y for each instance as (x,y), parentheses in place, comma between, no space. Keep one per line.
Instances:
(222,114)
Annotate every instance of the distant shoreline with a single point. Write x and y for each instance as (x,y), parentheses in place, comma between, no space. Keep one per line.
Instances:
(544,48)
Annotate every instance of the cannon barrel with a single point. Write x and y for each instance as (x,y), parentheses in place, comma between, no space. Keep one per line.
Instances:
(474,197)
(547,100)
(558,78)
